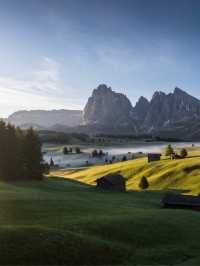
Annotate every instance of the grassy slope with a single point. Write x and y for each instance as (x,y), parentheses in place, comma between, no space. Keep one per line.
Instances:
(165,174)
(64,221)
(60,221)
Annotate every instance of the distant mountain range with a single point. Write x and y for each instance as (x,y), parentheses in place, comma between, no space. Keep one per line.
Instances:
(175,115)
(41,119)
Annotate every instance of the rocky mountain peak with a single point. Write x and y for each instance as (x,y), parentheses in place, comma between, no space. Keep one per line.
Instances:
(179,91)
(102,89)
(108,108)
(158,94)
(142,100)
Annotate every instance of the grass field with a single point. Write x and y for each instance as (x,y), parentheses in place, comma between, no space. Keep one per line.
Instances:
(67,221)
(181,174)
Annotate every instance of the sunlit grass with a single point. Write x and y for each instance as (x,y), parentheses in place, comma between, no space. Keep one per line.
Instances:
(182,174)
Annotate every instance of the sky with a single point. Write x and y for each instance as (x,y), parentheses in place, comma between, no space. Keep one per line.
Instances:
(53,53)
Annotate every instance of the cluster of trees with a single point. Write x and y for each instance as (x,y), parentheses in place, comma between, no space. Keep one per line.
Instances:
(47,136)
(20,154)
(70,150)
(96,153)
(170,152)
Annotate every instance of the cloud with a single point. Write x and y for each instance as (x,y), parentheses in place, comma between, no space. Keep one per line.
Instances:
(42,89)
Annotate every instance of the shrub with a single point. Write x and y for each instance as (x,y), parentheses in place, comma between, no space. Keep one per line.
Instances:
(144,184)
(183,153)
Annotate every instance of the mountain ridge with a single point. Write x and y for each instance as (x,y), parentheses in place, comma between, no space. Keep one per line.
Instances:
(107,111)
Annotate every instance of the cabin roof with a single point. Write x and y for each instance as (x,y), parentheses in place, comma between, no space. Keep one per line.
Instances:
(154,154)
(112,178)
(181,200)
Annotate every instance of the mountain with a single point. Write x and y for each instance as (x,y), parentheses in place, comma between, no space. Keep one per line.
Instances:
(45,119)
(141,108)
(165,110)
(175,114)
(107,109)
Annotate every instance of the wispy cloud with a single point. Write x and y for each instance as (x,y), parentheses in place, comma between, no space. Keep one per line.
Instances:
(42,89)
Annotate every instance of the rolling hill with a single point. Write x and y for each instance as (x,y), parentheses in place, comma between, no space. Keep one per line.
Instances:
(165,174)
(67,221)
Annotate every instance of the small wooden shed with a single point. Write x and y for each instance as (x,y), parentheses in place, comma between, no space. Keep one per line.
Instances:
(154,157)
(181,201)
(115,182)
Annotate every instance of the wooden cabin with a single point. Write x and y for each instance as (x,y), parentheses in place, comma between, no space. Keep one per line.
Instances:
(181,201)
(152,157)
(115,182)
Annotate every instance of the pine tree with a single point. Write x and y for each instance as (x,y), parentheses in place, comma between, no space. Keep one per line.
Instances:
(169,150)
(183,153)
(144,184)
(32,156)
(65,150)
(77,150)
(20,154)
(51,163)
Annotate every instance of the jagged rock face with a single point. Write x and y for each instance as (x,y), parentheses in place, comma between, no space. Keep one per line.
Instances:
(167,109)
(108,108)
(111,111)
(141,109)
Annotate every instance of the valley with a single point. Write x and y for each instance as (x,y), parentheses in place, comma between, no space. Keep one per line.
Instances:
(52,220)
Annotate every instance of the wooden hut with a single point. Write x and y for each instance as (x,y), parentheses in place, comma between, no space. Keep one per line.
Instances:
(154,157)
(115,182)
(181,201)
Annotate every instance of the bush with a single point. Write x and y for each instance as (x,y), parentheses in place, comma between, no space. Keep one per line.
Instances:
(144,184)
(183,153)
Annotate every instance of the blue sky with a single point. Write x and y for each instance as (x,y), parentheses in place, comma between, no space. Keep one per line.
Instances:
(54,52)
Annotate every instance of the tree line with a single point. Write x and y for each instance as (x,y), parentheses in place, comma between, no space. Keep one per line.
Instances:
(20,154)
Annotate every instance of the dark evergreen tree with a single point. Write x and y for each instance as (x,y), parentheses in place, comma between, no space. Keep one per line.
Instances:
(77,150)
(51,163)
(32,155)
(169,150)
(183,153)
(144,184)
(101,153)
(65,150)
(94,153)
(124,158)
(20,154)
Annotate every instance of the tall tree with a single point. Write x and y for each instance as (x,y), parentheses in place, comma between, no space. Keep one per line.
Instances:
(169,150)
(183,153)
(144,184)
(32,155)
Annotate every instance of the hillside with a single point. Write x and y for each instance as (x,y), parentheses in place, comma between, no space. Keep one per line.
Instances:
(65,222)
(166,174)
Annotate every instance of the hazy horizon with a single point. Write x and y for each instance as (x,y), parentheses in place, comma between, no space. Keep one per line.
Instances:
(53,53)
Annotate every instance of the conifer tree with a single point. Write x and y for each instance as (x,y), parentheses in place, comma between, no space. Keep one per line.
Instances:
(169,150)
(183,153)
(32,155)
(144,184)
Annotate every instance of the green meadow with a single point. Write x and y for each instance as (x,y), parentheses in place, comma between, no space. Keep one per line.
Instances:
(64,219)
